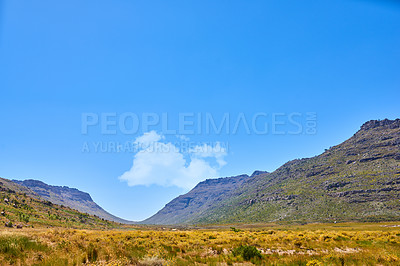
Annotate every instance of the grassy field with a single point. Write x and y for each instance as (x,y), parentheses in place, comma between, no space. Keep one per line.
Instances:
(312,244)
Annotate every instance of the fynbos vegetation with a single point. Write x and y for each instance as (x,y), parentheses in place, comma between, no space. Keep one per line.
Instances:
(348,244)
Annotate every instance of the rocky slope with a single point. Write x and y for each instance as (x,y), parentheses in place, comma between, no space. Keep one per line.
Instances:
(71,197)
(358,179)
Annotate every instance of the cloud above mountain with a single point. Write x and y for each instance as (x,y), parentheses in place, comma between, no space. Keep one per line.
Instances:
(167,164)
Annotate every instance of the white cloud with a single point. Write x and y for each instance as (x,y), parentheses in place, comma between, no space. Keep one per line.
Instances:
(148,138)
(216,151)
(162,163)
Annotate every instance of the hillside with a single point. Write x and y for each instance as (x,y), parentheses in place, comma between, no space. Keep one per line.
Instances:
(358,179)
(22,207)
(71,197)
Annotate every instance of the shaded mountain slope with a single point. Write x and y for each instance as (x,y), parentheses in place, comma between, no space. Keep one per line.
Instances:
(358,179)
(198,200)
(70,197)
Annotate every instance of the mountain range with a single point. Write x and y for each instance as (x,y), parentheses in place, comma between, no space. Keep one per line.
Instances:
(22,207)
(71,197)
(357,180)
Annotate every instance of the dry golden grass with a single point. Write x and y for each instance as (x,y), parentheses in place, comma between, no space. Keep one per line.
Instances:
(314,244)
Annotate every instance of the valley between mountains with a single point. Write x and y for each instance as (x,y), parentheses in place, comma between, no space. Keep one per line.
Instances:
(338,208)
(357,180)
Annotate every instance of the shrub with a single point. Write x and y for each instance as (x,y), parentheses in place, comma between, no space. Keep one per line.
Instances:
(23,217)
(8,224)
(297,243)
(247,252)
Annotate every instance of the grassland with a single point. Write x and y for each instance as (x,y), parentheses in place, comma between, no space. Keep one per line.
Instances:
(313,244)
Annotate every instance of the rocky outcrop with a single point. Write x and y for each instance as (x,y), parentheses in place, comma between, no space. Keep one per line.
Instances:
(44,190)
(386,123)
(257,172)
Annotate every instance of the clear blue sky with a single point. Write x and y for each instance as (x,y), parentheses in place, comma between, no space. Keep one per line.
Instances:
(61,59)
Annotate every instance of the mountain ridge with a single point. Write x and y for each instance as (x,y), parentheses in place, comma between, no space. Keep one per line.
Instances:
(22,207)
(71,197)
(358,179)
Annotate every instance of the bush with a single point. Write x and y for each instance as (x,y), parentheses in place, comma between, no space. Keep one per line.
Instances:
(8,224)
(247,252)
(23,217)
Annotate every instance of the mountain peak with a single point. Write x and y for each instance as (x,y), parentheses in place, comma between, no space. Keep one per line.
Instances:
(387,123)
(258,172)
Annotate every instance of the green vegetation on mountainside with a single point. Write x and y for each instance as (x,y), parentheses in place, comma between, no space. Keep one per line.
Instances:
(21,207)
(356,180)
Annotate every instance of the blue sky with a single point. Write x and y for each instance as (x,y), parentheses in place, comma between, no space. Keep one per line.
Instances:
(62,59)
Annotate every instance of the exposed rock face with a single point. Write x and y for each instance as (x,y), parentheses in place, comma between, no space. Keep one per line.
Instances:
(358,179)
(257,172)
(44,190)
(70,197)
